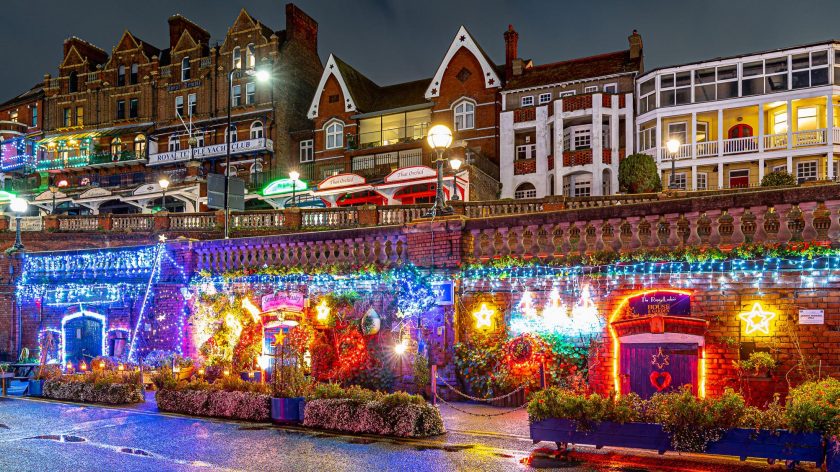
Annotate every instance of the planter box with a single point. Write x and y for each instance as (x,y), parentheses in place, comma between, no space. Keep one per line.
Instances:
(742,443)
(633,435)
(287,410)
(36,388)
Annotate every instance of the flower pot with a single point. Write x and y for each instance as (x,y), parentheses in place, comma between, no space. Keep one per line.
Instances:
(774,445)
(287,410)
(36,388)
(634,435)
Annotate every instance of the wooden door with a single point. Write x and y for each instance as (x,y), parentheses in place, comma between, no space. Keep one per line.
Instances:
(84,339)
(650,368)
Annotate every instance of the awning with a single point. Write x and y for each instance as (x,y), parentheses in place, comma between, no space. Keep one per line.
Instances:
(97,133)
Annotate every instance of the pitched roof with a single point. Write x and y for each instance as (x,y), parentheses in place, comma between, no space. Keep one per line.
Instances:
(30,94)
(368,96)
(611,63)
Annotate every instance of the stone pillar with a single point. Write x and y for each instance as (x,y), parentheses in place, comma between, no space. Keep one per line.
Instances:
(161,221)
(292,218)
(435,243)
(104,222)
(51,223)
(368,215)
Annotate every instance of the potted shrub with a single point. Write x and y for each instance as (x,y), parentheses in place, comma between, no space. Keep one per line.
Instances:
(45,372)
(288,382)
(759,364)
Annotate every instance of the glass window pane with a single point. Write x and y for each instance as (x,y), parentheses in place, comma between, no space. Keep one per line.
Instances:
(752,86)
(776,83)
(666,98)
(727,72)
(727,90)
(801,79)
(800,61)
(666,80)
(683,95)
(819,76)
(819,58)
(683,79)
(704,76)
(753,68)
(704,93)
(775,65)
(647,86)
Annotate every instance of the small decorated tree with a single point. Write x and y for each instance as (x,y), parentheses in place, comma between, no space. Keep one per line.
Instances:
(637,173)
(778,178)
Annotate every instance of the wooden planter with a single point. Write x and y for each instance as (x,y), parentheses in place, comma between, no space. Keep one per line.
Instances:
(287,410)
(778,445)
(36,388)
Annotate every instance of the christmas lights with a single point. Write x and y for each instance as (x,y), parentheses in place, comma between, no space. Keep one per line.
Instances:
(757,319)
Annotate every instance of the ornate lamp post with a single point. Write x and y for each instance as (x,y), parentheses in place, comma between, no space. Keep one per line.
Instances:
(18,206)
(673,146)
(455,163)
(295,176)
(164,184)
(439,139)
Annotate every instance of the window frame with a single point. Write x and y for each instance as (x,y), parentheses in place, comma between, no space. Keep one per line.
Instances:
(257,130)
(526,193)
(236,58)
(134,73)
(186,69)
(590,89)
(614,86)
(526,98)
(306,150)
(174,143)
(133,107)
(544,98)
(121,109)
(250,93)
(236,95)
(192,104)
(705,179)
(179,106)
(121,75)
(334,135)
(463,112)
(813,166)
(251,55)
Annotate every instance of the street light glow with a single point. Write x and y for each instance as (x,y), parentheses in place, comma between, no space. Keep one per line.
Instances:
(455,163)
(164,183)
(263,75)
(440,137)
(294,175)
(673,146)
(18,205)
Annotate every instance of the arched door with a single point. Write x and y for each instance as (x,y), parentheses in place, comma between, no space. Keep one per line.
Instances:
(83,336)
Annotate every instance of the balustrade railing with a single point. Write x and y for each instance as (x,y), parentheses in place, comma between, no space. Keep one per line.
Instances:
(332,218)
(257,220)
(809,138)
(132,222)
(78,223)
(192,221)
(402,214)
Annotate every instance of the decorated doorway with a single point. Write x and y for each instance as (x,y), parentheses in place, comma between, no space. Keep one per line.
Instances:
(84,336)
(657,344)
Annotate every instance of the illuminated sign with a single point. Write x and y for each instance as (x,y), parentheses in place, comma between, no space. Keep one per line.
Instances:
(757,320)
(214,150)
(483,317)
(662,303)
(283,186)
(341,180)
(292,301)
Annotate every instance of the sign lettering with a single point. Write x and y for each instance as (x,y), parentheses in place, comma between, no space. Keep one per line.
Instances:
(662,303)
(213,150)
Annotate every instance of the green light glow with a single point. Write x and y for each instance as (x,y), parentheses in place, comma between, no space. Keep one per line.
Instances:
(6,196)
(283,186)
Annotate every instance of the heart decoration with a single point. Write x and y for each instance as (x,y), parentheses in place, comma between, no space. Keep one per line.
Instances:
(660,380)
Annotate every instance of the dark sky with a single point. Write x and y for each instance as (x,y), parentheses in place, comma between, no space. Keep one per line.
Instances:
(400,40)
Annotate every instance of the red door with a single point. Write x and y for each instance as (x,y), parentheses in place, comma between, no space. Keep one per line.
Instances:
(650,368)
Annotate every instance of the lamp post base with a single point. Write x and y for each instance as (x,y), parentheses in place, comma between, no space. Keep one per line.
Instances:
(439,211)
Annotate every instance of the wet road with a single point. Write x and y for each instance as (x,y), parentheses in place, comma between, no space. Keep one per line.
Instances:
(38,435)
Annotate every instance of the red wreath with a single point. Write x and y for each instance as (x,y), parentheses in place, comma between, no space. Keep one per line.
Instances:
(339,354)
(524,354)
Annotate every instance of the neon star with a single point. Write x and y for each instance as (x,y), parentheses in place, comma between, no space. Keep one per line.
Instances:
(323,311)
(757,319)
(162,238)
(660,359)
(483,317)
(278,338)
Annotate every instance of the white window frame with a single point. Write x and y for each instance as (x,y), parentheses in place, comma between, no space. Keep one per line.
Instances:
(581,139)
(684,139)
(779,168)
(236,95)
(812,173)
(251,56)
(525,193)
(307,150)
(257,130)
(737,171)
(334,135)
(702,181)
(705,126)
(813,115)
(613,86)
(250,93)
(192,104)
(174,143)
(680,179)
(464,115)
(199,139)
(582,188)
(780,119)
(590,89)
(179,105)
(185,69)
(236,58)
(526,151)
(526,101)
(544,98)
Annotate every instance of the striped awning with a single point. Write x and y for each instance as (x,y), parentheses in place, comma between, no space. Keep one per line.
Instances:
(96,133)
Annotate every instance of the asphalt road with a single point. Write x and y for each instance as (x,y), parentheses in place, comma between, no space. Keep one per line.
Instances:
(38,435)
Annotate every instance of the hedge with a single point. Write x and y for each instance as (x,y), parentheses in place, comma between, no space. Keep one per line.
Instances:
(217,403)
(374,417)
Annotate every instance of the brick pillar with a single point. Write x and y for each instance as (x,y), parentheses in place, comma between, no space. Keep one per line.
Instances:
(161,221)
(220,219)
(435,243)
(458,206)
(368,215)
(104,222)
(291,218)
(4,222)
(554,203)
(51,223)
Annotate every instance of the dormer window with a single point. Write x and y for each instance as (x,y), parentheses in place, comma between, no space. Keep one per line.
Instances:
(335,135)
(464,116)
(185,69)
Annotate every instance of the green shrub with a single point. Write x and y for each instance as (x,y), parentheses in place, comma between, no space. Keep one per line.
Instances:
(814,406)
(778,179)
(637,173)
(758,362)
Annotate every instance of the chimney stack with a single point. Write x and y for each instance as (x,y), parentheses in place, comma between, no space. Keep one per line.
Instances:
(635,41)
(511,50)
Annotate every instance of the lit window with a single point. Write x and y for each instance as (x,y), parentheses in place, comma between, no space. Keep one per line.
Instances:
(185,69)
(80,116)
(806,171)
(116,147)
(250,56)
(335,135)
(179,105)
(780,123)
(464,116)
(237,95)
(526,101)
(174,144)
(806,118)
(140,146)
(307,150)
(525,190)
(13,116)
(67,117)
(250,92)
(192,104)
(237,58)
(545,98)
(256,130)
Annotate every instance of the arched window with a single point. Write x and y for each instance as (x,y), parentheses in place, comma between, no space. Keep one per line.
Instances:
(464,115)
(256,167)
(134,69)
(140,146)
(116,147)
(256,130)
(73,84)
(335,135)
(185,69)
(174,143)
(525,190)
(121,75)
(250,56)
(237,58)
(233,137)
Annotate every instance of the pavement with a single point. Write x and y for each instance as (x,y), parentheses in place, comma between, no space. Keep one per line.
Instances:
(37,435)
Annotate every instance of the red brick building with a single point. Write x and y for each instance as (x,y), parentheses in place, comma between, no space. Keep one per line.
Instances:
(21,120)
(115,124)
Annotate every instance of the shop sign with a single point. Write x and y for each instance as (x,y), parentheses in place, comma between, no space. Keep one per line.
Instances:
(291,301)
(812,317)
(184,85)
(214,150)
(410,173)
(341,180)
(661,303)
(444,292)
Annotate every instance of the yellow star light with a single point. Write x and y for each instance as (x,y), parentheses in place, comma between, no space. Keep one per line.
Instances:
(757,319)
(323,311)
(278,338)
(483,317)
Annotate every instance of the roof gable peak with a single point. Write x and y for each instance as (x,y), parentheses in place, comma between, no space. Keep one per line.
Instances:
(463,39)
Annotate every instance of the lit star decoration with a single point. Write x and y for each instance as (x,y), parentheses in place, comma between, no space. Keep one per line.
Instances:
(162,238)
(323,311)
(757,320)
(483,317)
(278,338)
(660,359)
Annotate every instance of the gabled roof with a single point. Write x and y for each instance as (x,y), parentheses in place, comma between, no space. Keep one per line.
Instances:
(31,94)
(463,39)
(133,42)
(612,63)
(362,94)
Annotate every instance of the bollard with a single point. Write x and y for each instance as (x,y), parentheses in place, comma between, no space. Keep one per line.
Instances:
(434,384)
(542,376)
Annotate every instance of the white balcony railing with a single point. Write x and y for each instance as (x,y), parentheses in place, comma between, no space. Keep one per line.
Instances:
(749,144)
(707,148)
(775,141)
(740,145)
(809,138)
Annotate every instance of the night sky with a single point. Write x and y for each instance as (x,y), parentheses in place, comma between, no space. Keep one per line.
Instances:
(401,40)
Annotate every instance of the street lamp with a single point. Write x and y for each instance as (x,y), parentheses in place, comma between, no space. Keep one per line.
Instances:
(294,175)
(262,75)
(456,163)
(673,146)
(18,206)
(164,184)
(439,139)
(54,189)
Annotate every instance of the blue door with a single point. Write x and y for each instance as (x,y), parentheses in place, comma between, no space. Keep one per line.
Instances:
(84,339)
(650,368)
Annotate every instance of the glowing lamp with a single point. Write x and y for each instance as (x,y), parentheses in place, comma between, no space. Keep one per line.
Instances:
(757,319)
(455,163)
(226,372)
(121,367)
(673,145)
(322,311)
(164,183)
(401,348)
(201,371)
(440,137)
(262,75)
(294,175)
(83,366)
(18,205)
